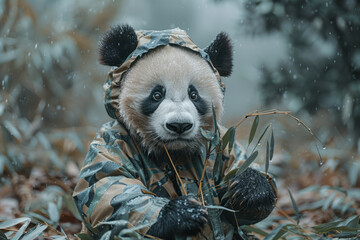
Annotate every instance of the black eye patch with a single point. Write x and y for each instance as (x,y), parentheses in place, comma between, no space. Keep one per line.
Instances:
(199,102)
(152,102)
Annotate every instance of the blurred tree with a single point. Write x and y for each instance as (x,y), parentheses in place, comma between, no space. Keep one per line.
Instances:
(47,68)
(323,66)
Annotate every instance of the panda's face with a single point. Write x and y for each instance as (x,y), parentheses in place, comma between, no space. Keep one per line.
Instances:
(167,96)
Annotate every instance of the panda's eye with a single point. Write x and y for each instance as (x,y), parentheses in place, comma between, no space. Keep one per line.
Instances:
(157,96)
(193,95)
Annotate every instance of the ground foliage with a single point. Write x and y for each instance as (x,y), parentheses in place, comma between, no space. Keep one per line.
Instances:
(45,136)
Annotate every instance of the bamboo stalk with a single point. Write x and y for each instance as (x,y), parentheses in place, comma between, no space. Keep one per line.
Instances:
(176,172)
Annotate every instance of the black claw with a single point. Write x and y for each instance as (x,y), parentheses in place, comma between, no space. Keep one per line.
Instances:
(181,216)
(252,196)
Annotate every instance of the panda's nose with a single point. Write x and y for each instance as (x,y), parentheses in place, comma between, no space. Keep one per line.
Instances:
(179,127)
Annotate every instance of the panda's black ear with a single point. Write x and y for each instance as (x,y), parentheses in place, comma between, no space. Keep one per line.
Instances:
(117,44)
(221,55)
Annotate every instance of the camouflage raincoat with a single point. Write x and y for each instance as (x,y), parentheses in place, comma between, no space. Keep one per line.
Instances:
(121,187)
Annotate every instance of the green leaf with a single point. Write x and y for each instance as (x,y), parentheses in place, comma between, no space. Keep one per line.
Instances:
(347,235)
(12,129)
(70,205)
(207,134)
(13,222)
(230,174)
(272,145)
(221,208)
(106,235)
(277,232)
(354,172)
(131,233)
(216,130)
(262,135)
(232,140)
(119,222)
(350,224)
(328,201)
(242,234)
(53,212)
(267,158)
(84,236)
(247,163)
(32,234)
(226,195)
(251,228)
(296,210)
(228,138)
(20,232)
(253,129)
(39,218)
(346,207)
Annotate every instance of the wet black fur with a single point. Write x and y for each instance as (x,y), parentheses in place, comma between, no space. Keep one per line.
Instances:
(180,217)
(251,195)
(199,102)
(221,55)
(117,44)
(149,104)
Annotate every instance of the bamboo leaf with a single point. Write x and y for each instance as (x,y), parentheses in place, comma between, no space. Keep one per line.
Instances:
(221,208)
(230,174)
(251,228)
(216,130)
(296,210)
(277,232)
(70,205)
(106,235)
(247,163)
(12,129)
(354,172)
(226,195)
(262,135)
(242,234)
(228,138)
(347,235)
(232,140)
(272,145)
(32,234)
(14,222)
(207,134)
(350,224)
(253,129)
(267,158)
(53,212)
(328,201)
(84,236)
(20,232)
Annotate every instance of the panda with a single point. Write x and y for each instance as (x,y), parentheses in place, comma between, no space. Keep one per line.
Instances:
(143,170)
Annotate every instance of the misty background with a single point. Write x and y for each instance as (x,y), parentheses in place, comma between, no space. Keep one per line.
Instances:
(302,56)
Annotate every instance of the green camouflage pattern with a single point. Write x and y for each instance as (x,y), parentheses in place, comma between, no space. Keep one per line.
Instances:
(118,182)
(147,41)
(121,188)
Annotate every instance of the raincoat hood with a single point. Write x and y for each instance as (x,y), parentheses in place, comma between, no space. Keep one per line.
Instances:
(148,40)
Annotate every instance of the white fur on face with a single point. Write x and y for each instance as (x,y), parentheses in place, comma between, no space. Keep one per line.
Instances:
(170,111)
(175,69)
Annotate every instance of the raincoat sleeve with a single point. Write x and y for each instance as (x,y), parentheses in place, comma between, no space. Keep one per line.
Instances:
(111,186)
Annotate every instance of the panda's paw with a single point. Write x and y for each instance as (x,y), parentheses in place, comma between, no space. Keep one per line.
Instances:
(252,195)
(183,216)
